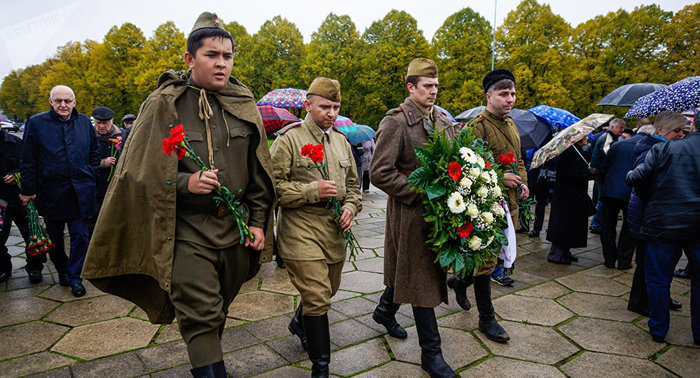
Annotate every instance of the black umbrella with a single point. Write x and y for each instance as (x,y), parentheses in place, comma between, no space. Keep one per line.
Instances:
(471,113)
(626,95)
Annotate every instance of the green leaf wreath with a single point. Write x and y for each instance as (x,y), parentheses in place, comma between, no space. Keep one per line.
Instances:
(463,198)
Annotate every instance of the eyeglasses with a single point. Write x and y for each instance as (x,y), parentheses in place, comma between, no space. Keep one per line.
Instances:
(64,100)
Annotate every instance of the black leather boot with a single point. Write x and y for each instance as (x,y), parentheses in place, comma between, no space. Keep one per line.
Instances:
(385,314)
(319,341)
(460,286)
(487,320)
(215,370)
(297,328)
(429,339)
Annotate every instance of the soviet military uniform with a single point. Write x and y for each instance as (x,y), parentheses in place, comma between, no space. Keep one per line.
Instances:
(310,242)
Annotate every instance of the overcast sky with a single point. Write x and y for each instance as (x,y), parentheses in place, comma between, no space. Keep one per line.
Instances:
(30,30)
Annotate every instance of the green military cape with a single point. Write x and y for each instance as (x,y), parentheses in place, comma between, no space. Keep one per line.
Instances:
(131,250)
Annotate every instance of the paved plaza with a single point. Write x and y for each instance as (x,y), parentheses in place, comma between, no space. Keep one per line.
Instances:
(563,321)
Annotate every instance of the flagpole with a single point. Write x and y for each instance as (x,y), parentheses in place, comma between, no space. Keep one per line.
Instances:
(493,43)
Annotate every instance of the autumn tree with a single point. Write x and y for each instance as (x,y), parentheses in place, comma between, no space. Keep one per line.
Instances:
(534,44)
(392,43)
(681,38)
(463,52)
(20,95)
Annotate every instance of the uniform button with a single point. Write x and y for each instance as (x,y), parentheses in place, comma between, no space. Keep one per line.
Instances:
(168,238)
(213,126)
(168,182)
(217,149)
(243,133)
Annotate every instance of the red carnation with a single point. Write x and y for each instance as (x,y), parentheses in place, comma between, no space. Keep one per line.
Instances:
(181,152)
(307,149)
(317,156)
(177,130)
(177,138)
(465,230)
(506,159)
(487,163)
(454,170)
(168,146)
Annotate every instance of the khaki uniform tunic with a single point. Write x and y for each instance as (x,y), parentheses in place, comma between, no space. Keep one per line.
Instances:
(309,232)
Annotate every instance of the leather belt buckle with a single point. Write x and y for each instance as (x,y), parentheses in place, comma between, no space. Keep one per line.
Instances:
(221,211)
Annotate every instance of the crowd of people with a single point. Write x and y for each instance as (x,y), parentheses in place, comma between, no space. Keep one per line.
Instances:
(186,257)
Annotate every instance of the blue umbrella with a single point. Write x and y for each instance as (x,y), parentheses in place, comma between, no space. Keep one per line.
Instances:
(357,133)
(554,116)
(677,97)
(445,112)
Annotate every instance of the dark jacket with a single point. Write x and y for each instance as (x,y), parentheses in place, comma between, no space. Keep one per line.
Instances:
(10,149)
(669,176)
(568,218)
(618,161)
(599,150)
(107,149)
(59,164)
(635,208)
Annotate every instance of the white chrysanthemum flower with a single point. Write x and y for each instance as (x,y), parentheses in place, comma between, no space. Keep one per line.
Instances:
(497,191)
(472,210)
(482,192)
(465,182)
(480,161)
(474,172)
(494,176)
(468,155)
(486,176)
(456,203)
(498,210)
(487,217)
(474,243)
(488,242)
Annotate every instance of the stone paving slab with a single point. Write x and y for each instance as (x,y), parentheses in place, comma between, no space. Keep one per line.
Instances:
(610,337)
(533,310)
(681,360)
(532,343)
(395,369)
(548,290)
(253,360)
(24,309)
(90,310)
(459,348)
(598,306)
(507,368)
(17,343)
(590,364)
(124,365)
(33,363)
(679,332)
(592,284)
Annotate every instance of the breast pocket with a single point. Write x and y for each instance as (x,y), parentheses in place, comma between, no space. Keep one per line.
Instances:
(194,136)
(344,165)
(239,132)
(305,170)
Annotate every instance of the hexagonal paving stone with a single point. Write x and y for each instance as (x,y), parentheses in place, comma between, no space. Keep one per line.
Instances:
(63,294)
(358,357)
(271,328)
(286,372)
(458,347)
(591,364)
(100,339)
(16,343)
(592,284)
(547,290)
(679,332)
(127,364)
(363,282)
(625,278)
(164,355)
(374,265)
(355,307)
(681,360)
(259,305)
(253,360)
(598,306)
(532,343)
(395,369)
(507,368)
(20,293)
(607,336)
(24,310)
(279,284)
(534,310)
(168,332)
(371,241)
(464,320)
(601,271)
(91,310)
(350,331)
(33,363)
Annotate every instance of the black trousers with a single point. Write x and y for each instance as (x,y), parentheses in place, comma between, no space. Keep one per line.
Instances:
(365,180)
(622,251)
(15,213)
(639,299)
(542,197)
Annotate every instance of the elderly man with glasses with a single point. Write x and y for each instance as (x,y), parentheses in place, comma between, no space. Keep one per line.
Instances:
(58,166)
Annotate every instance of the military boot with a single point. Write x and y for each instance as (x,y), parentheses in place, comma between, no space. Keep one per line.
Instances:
(215,370)
(296,327)
(385,314)
(460,286)
(429,339)
(487,319)
(319,342)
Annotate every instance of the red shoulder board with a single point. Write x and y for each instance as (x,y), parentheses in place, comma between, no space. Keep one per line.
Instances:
(283,130)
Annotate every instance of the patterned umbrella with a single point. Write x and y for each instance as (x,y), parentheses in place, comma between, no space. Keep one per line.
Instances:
(626,95)
(275,118)
(284,98)
(679,96)
(567,137)
(343,121)
(357,133)
(554,116)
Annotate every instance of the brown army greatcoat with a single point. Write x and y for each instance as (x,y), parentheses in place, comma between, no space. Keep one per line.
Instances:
(409,265)
(131,251)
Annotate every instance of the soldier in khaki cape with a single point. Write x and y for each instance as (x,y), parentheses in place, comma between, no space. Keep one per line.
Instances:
(185,256)
(500,133)
(410,273)
(310,242)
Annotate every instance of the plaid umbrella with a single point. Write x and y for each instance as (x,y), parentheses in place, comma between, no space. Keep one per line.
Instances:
(275,118)
(284,98)
(626,95)
(343,122)
(554,116)
(567,137)
(679,96)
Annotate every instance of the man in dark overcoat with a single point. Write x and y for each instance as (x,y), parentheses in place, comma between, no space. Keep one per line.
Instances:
(110,139)
(58,165)
(410,273)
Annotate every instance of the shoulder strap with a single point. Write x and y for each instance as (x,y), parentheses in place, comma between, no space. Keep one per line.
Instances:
(283,130)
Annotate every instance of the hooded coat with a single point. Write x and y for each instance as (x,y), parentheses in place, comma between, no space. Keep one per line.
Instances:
(131,251)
